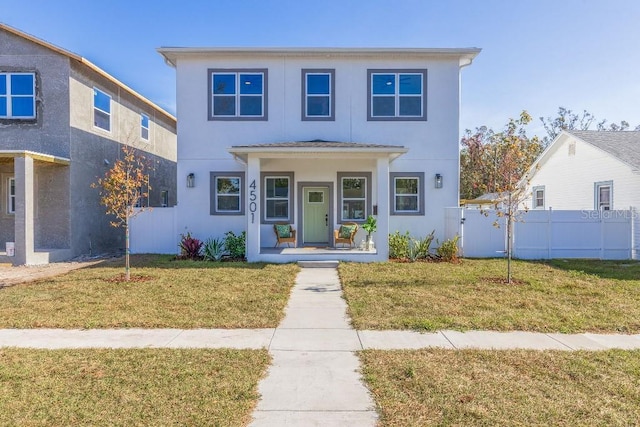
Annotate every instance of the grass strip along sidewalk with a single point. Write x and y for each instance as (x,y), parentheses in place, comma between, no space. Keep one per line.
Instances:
(566,296)
(164,293)
(156,387)
(515,387)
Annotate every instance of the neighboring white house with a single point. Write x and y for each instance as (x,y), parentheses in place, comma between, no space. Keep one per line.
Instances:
(588,170)
(316,137)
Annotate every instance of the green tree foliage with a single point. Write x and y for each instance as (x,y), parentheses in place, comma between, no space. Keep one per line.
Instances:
(490,162)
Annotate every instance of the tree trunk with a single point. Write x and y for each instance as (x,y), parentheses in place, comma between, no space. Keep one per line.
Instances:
(127,274)
(509,232)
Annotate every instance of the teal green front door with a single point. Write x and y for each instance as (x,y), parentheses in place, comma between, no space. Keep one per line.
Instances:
(316,215)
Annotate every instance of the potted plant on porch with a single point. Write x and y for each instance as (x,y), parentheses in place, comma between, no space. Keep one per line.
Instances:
(370,226)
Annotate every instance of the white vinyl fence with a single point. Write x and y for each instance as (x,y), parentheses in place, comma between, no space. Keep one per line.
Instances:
(155,232)
(548,234)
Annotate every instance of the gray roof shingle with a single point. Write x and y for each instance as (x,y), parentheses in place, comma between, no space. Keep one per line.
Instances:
(624,145)
(318,143)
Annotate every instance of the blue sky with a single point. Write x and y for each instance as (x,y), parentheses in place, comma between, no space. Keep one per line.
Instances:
(537,54)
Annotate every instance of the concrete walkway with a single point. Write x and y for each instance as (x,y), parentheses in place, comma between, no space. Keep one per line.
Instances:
(314,379)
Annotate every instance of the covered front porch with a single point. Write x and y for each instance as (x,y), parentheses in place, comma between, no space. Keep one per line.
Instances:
(312,253)
(35,208)
(315,187)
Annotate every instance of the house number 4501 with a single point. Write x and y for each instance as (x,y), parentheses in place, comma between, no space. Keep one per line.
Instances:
(253,207)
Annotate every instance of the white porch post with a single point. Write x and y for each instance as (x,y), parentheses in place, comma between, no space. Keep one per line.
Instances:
(254,187)
(382,240)
(24,225)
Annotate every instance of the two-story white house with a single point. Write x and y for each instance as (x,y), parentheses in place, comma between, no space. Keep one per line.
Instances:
(316,137)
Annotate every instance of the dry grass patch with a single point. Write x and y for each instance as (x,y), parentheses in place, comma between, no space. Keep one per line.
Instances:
(156,387)
(559,296)
(174,294)
(515,388)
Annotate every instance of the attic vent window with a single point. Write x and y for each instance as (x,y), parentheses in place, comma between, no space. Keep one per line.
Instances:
(572,148)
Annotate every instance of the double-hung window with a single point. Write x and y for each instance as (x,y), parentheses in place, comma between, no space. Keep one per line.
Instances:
(397,94)
(318,87)
(354,192)
(604,195)
(101,110)
(11,195)
(538,197)
(17,96)
(277,198)
(407,193)
(227,193)
(238,94)
(144,127)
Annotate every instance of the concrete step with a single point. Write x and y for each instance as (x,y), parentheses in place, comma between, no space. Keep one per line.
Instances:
(318,264)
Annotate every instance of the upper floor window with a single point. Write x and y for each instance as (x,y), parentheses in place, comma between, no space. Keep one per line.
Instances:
(397,94)
(604,195)
(318,87)
(227,193)
(164,198)
(11,195)
(17,95)
(538,197)
(407,189)
(144,127)
(101,110)
(238,94)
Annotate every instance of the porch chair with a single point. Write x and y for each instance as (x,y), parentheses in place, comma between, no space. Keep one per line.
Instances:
(346,234)
(284,234)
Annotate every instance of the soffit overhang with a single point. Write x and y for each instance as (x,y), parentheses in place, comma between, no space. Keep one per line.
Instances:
(317,150)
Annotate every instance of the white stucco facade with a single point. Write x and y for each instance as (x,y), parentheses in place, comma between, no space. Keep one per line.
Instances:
(317,154)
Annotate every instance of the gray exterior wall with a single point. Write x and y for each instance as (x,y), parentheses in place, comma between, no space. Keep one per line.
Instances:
(49,132)
(67,213)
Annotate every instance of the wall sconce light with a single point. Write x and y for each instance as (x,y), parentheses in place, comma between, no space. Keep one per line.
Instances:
(438,181)
(191,180)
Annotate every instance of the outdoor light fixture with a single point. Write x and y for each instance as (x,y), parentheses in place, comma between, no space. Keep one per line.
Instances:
(438,180)
(191,180)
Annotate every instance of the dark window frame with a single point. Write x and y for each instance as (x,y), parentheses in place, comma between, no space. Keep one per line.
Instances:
(420,195)
(213,192)
(263,197)
(332,90)
(238,71)
(397,95)
(368,195)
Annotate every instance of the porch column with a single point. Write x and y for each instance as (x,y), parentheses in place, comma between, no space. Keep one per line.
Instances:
(254,189)
(382,240)
(24,225)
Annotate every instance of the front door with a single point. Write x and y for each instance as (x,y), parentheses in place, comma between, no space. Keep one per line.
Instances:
(315,208)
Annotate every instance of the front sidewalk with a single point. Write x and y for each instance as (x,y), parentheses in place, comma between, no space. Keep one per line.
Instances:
(264,338)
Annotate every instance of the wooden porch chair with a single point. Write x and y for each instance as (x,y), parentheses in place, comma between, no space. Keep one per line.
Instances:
(284,234)
(346,234)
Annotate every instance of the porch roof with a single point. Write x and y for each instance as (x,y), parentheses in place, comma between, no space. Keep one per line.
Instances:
(317,149)
(36,156)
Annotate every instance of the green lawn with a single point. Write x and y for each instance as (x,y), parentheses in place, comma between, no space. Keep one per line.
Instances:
(557,296)
(165,294)
(150,387)
(500,388)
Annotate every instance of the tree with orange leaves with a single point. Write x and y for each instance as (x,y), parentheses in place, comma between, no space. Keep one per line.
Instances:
(122,188)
